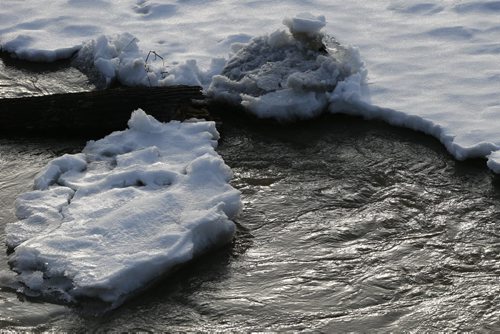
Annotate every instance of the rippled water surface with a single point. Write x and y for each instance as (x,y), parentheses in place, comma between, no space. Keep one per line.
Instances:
(20,78)
(347,225)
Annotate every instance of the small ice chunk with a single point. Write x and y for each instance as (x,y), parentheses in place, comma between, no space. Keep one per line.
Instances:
(494,161)
(305,23)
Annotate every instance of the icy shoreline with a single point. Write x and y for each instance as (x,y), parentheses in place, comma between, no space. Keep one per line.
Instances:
(128,209)
(426,71)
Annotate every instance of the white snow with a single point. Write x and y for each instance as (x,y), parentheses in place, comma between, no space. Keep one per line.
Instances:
(433,63)
(305,23)
(131,207)
(287,74)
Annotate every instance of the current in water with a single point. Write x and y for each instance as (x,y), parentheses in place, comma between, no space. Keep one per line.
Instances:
(347,225)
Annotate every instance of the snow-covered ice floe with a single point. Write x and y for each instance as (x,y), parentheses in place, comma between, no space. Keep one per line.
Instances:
(131,207)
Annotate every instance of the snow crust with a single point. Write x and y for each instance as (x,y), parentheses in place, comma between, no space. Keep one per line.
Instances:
(432,63)
(106,222)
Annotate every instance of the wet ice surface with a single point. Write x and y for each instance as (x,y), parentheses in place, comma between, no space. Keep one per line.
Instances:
(22,79)
(347,225)
(20,160)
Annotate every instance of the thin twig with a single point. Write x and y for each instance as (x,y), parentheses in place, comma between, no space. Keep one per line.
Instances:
(146,66)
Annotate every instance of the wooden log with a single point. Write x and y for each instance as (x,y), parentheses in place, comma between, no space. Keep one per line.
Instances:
(98,112)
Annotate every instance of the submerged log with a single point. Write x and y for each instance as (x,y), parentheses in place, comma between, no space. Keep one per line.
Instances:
(98,112)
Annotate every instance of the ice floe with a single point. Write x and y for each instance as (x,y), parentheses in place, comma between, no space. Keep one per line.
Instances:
(128,209)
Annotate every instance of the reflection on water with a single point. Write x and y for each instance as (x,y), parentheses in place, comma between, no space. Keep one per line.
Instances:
(20,160)
(20,78)
(347,226)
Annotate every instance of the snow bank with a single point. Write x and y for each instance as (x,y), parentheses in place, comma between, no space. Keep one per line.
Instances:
(301,73)
(129,208)
(287,74)
(432,60)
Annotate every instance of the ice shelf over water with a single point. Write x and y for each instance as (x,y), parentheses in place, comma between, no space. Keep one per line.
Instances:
(131,207)
(432,65)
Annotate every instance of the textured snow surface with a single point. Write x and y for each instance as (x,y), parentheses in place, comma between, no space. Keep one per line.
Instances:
(287,74)
(432,65)
(129,208)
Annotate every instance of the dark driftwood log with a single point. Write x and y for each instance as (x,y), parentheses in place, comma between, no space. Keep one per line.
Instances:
(98,112)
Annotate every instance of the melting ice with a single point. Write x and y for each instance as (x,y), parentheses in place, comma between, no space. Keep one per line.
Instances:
(128,209)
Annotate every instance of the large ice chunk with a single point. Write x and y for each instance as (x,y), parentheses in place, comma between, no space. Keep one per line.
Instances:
(128,209)
(287,74)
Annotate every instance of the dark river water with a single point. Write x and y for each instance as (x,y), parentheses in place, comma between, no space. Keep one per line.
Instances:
(348,225)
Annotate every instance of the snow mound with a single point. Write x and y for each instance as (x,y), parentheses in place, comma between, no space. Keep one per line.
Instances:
(106,222)
(118,58)
(287,74)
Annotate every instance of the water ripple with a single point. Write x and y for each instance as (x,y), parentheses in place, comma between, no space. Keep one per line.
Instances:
(347,226)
